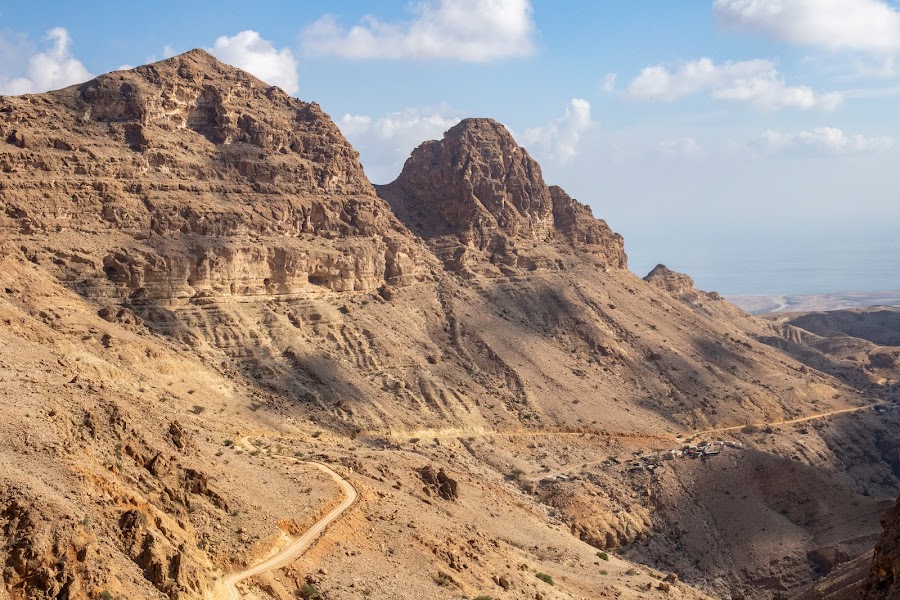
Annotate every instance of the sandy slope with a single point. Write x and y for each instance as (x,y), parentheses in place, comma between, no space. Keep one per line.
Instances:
(298,546)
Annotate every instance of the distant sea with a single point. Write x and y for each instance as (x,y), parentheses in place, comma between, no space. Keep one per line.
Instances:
(817,267)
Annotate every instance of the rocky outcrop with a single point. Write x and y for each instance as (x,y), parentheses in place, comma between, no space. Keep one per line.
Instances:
(602,524)
(669,280)
(168,567)
(202,180)
(679,285)
(575,222)
(477,197)
(884,578)
(439,483)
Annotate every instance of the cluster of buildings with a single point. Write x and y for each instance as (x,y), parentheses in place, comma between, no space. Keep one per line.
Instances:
(649,462)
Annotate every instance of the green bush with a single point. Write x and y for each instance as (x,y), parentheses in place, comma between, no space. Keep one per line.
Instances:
(309,592)
(545,578)
(603,555)
(106,595)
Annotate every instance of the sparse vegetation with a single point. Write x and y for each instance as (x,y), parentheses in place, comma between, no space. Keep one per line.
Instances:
(228,443)
(316,434)
(545,578)
(106,595)
(197,409)
(443,580)
(603,555)
(309,592)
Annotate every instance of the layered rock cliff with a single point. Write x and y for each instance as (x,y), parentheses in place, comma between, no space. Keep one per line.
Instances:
(479,199)
(196,179)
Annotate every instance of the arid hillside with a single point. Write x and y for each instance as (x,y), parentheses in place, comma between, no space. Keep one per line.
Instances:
(201,292)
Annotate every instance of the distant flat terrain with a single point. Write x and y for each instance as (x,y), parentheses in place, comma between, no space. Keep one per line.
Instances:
(758,305)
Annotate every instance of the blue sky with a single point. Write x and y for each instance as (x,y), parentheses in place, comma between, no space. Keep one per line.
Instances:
(750,143)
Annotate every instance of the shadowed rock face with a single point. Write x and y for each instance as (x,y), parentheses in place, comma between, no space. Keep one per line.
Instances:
(884,579)
(477,195)
(206,180)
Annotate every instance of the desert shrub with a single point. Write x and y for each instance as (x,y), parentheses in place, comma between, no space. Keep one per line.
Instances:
(309,592)
(545,578)
(603,555)
(750,429)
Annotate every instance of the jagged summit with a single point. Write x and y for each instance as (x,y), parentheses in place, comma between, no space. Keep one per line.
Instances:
(476,194)
(487,182)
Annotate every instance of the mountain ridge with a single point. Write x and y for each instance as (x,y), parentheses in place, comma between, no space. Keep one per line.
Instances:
(193,259)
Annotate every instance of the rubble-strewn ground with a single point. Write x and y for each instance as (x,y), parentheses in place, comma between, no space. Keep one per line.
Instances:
(196,279)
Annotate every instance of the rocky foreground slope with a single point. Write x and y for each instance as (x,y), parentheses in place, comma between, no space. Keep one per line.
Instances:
(198,280)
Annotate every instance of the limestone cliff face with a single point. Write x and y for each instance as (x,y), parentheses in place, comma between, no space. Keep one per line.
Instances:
(478,197)
(884,578)
(202,180)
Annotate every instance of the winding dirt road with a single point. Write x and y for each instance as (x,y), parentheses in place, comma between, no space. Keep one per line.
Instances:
(795,420)
(292,551)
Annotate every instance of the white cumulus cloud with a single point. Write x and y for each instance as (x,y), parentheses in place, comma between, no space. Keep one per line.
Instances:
(465,30)
(862,25)
(558,140)
(754,81)
(822,140)
(49,70)
(250,52)
(384,143)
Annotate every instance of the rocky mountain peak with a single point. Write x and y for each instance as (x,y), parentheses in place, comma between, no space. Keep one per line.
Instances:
(487,183)
(478,195)
(226,107)
(188,164)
